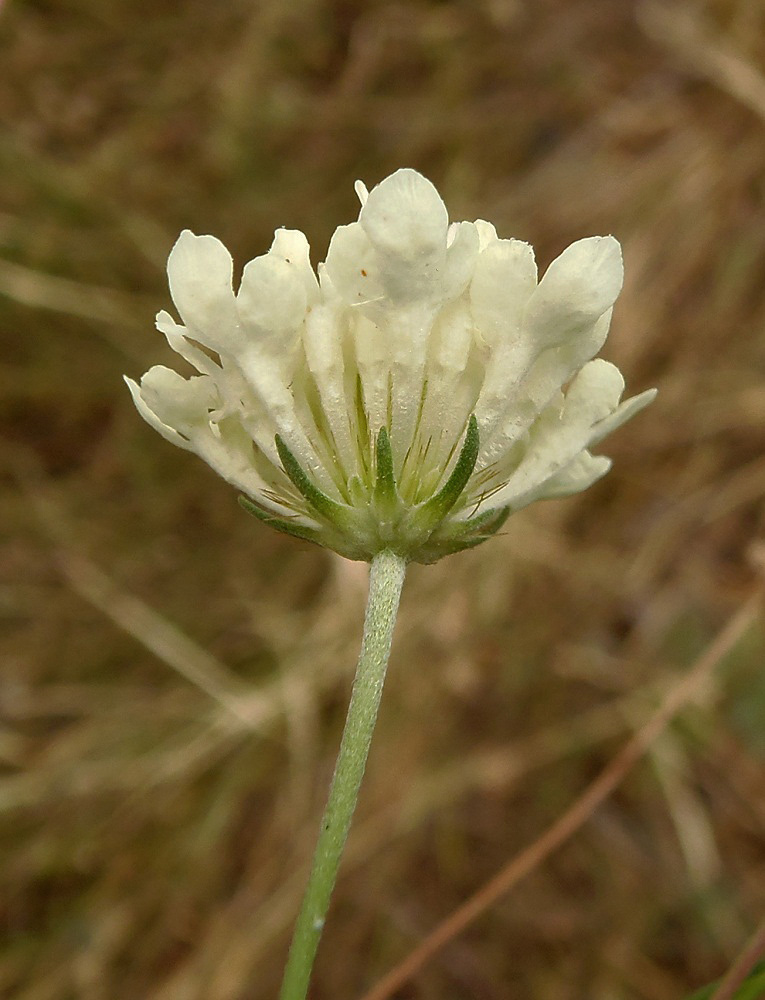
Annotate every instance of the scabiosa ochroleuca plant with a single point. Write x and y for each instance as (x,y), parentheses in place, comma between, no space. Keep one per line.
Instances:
(397,406)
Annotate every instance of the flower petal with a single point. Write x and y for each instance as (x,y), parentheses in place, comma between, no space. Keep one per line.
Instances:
(504,279)
(200,270)
(151,418)
(291,246)
(351,266)
(622,414)
(372,363)
(324,353)
(177,339)
(577,289)
(593,394)
(271,301)
(405,218)
(487,234)
(560,433)
(178,402)
(548,372)
(453,381)
(577,476)
(461,255)
(406,223)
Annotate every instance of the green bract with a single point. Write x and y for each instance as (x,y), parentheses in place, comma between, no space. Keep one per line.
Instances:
(381,519)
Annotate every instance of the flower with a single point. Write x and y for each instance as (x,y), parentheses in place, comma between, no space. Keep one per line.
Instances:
(418,391)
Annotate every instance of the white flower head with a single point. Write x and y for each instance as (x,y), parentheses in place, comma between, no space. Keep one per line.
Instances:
(423,388)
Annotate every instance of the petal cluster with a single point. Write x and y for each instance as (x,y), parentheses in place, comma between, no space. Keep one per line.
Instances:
(420,388)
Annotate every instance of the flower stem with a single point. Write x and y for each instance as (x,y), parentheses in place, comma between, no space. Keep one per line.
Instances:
(386,579)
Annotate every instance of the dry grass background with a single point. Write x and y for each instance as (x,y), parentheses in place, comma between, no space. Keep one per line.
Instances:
(174,676)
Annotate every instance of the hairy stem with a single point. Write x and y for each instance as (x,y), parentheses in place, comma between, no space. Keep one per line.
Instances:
(386,579)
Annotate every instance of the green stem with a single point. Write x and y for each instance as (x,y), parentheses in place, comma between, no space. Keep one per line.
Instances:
(386,579)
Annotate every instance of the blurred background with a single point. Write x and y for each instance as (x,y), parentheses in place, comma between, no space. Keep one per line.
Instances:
(175,676)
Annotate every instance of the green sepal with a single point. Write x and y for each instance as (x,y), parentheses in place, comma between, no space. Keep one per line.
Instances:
(320,502)
(296,530)
(450,492)
(377,518)
(385,495)
(489,522)
(433,511)
(357,492)
(471,533)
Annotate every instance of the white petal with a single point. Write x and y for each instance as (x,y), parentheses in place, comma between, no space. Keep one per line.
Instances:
(451,340)
(271,301)
(291,246)
(372,360)
(548,372)
(576,290)
(200,270)
(178,402)
(406,223)
(230,458)
(229,452)
(555,440)
(361,192)
(622,414)
(453,230)
(487,234)
(454,377)
(578,475)
(593,394)
(404,217)
(408,342)
(176,338)
(590,411)
(351,266)
(266,378)
(504,279)
(151,418)
(322,339)
(461,256)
